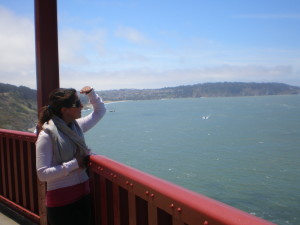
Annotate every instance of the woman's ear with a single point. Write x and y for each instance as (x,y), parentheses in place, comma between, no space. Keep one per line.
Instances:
(63,110)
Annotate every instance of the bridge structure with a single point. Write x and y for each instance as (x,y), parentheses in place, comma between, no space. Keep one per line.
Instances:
(121,195)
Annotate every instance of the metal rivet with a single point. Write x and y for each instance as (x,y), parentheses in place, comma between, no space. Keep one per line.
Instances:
(172,205)
(205,222)
(179,210)
(127,182)
(147,193)
(131,184)
(152,195)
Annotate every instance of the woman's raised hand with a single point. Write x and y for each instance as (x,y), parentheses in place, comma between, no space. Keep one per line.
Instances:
(86,90)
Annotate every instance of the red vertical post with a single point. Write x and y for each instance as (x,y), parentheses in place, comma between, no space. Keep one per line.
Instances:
(132,208)
(23,174)
(47,67)
(152,214)
(9,170)
(30,179)
(15,165)
(116,205)
(46,42)
(104,208)
(3,167)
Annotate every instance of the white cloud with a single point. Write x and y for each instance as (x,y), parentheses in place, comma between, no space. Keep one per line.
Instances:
(151,78)
(132,35)
(17,61)
(86,58)
(77,46)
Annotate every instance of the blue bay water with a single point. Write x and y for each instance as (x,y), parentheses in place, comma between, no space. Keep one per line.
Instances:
(243,151)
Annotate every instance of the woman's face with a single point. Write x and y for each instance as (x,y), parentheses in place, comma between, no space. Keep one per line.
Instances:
(72,113)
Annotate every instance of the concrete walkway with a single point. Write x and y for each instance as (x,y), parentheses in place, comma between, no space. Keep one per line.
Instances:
(10,217)
(5,220)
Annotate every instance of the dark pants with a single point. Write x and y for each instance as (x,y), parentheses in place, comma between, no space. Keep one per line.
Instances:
(77,213)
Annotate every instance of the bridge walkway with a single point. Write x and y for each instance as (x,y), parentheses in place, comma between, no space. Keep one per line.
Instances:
(9,217)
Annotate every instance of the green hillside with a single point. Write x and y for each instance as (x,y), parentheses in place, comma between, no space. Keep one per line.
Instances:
(18,110)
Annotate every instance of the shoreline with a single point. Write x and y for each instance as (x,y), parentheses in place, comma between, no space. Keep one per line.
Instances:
(89,106)
(111,102)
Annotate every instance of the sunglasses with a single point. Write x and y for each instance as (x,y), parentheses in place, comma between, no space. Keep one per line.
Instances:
(77,104)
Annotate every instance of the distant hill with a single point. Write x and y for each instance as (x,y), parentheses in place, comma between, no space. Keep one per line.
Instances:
(226,89)
(18,108)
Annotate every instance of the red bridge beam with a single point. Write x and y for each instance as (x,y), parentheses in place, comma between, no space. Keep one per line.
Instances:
(47,66)
(46,42)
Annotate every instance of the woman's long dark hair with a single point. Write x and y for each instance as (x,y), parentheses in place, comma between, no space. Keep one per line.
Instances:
(59,98)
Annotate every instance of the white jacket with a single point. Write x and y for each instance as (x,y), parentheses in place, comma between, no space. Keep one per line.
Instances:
(69,173)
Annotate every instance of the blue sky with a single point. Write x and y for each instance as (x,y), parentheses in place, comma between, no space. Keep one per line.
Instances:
(116,44)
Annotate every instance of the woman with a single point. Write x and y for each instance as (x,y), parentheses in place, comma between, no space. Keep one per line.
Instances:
(62,155)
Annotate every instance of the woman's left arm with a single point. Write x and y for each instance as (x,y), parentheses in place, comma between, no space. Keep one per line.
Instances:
(99,110)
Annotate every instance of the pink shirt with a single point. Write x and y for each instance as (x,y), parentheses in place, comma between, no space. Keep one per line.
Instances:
(67,195)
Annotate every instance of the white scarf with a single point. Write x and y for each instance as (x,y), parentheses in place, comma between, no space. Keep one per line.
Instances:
(66,141)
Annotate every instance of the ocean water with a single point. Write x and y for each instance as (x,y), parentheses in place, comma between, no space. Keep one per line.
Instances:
(243,151)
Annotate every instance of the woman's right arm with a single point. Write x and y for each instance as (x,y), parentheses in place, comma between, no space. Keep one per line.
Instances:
(44,153)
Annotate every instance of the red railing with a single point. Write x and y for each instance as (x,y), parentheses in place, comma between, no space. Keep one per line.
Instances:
(121,195)
(126,196)
(18,180)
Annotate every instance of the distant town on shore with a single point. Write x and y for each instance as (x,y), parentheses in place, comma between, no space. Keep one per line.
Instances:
(224,89)
(18,107)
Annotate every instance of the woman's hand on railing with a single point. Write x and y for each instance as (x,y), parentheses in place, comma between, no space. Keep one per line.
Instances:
(82,160)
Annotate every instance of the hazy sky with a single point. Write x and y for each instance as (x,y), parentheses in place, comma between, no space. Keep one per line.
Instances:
(116,44)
